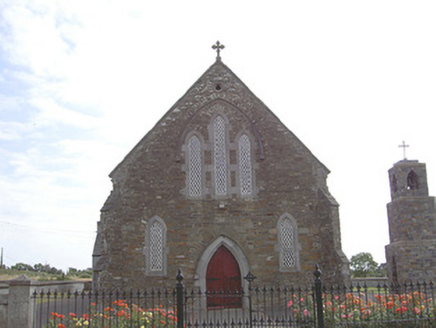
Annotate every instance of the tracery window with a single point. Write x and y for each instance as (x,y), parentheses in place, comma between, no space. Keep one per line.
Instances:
(245,170)
(221,163)
(220,155)
(194,167)
(156,247)
(288,243)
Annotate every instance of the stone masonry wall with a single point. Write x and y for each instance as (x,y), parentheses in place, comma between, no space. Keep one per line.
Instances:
(151,180)
(411,261)
(411,254)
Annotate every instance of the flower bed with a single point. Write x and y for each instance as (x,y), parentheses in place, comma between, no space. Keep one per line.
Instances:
(367,309)
(119,314)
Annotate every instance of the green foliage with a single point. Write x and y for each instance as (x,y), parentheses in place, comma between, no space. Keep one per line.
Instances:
(43,272)
(83,274)
(22,267)
(363,265)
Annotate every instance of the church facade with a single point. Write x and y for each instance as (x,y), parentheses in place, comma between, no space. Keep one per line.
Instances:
(218,188)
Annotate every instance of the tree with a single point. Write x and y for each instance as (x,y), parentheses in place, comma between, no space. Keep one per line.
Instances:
(38,267)
(382,270)
(22,267)
(363,265)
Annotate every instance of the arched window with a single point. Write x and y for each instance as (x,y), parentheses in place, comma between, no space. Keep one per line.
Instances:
(220,155)
(245,170)
(412,180)
(155,247)
(288,243)
(194,167)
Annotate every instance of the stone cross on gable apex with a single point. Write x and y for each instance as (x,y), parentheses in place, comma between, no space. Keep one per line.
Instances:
(404,146)
(218,47)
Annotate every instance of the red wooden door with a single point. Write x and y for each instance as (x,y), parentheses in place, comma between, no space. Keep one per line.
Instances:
(223,280)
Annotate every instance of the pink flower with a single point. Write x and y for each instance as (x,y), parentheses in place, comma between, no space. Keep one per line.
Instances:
(290,304)
(306,312)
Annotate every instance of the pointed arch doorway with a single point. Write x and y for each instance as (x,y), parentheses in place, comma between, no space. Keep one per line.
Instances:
(223,280)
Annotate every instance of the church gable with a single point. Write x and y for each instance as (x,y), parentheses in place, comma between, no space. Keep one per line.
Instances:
(218,172)
(217,85)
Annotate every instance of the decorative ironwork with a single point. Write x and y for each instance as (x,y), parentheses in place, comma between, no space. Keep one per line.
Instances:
(386,305)
(250,277)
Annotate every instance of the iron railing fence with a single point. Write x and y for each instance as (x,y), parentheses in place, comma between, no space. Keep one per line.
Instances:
(408,305)
(148,308)
(259,307)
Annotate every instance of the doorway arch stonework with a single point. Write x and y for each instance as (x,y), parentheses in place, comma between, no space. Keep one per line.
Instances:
(233,247)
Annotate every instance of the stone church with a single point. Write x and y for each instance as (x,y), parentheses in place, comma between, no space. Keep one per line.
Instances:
(220,187)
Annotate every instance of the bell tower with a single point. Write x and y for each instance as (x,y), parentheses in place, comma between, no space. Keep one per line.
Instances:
(411,253)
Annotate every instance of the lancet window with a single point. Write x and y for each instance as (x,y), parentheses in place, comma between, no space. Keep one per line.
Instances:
(155,251)
(219,164)
(220,155)
(195,164)
(245,169)
(288,243)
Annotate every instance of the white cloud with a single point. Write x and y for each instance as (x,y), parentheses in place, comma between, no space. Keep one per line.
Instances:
(53,113)
(82,81)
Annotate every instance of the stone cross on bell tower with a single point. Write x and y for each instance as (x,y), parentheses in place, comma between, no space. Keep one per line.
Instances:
(404,146)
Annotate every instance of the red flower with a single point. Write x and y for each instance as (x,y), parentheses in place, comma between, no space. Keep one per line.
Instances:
(56,315)
(401,310)
(120,303)
(61,325)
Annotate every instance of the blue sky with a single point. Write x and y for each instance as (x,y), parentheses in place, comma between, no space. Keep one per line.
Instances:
(81,82)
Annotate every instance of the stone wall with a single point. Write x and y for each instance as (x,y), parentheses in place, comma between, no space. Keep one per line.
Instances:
(411,261)
(16,302)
